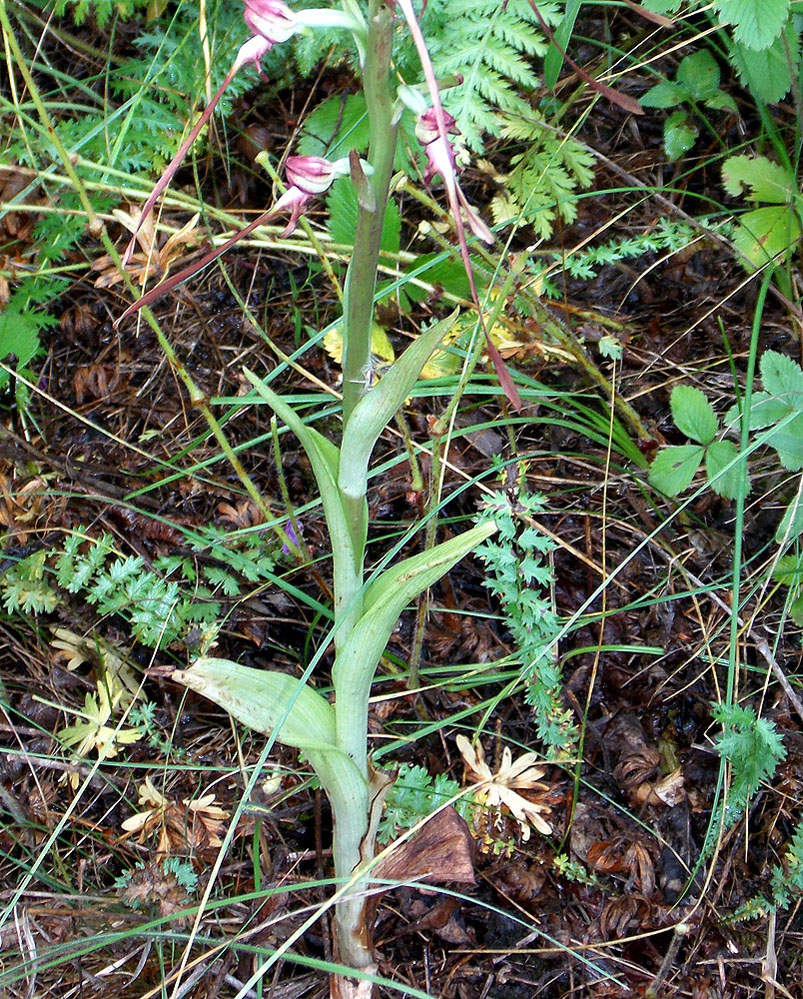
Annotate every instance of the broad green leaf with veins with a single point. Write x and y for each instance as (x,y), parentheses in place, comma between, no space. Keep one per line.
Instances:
(756,23)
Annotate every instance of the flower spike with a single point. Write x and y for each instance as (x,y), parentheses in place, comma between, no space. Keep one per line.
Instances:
(456,197)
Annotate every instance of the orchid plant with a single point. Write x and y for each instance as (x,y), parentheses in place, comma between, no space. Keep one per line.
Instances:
(334,736)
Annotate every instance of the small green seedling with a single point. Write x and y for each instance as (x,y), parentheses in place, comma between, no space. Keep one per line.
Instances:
(696,83)
(753,747)
(674,467)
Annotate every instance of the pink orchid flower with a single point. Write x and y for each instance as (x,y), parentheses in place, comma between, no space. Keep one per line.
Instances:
(272,22)
(441,159)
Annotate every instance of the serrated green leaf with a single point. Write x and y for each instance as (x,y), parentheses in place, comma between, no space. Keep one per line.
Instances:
(673,468)
(796,611)
(783,378)
(764,179)
(767,72)
(341,203)
(765,410)
(717,456)
(787,440)
(693,414)
(259,698)
(756,23)
(378,406)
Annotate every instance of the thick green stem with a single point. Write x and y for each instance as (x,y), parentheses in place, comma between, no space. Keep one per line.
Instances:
(361,279)
(351,805)
(349,796)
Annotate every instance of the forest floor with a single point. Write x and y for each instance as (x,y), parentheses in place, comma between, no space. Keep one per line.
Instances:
(639,886)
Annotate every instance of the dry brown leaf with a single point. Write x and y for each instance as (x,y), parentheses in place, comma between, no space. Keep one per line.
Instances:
(152,260)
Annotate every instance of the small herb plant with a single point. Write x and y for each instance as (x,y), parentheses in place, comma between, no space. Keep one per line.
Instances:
(413,796)
(777,412)
(760,36)
(674,467)
(160,604)
(696,83)
(334,737)
(753,747)
(520,577)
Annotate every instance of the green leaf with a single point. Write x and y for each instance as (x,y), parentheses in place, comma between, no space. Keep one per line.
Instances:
(435,269)
(717,456)
(341,203)
(347,533)
(673,468)
(787,440)
(796,611)
(663,95)
(766,234)
(378,406)
(791,526)
(336,126)
(698,73)
(789,570)
(259,698)
(764,179)
(553,60)
(679,135)
(662,6)
(767,72)
(384,600)
(783,378)
(756,23)
(19,335)
(752,746)
(693,414)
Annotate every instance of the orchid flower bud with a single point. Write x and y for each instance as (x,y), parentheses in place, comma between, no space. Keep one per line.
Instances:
(441,159)
(271,19)
(311,174)
(426,127)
